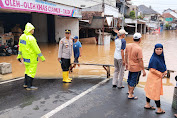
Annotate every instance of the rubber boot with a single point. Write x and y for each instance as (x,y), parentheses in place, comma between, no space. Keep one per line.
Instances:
(30,81)
(25,81)
(68,76)
(65,77)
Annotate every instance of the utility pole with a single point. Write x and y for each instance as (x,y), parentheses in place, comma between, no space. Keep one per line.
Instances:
(123,9)
(103,20)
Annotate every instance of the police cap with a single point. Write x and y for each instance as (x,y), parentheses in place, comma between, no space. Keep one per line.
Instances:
(67,31)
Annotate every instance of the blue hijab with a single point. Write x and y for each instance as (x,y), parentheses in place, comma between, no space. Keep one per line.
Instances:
(157,61)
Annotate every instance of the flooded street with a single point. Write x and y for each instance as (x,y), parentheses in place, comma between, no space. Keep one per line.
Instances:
(53,93)
(98,54)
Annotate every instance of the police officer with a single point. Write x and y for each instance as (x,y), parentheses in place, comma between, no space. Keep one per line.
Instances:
(29,51)
(64,55)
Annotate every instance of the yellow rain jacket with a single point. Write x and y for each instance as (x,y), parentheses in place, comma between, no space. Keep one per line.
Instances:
(29,51)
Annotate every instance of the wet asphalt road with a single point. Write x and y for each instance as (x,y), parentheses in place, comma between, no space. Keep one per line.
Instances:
(16,102)
(103,102)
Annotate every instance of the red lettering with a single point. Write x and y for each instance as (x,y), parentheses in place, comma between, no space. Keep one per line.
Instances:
(34,6)
(66,11)
(42,7)
(39,7)
(7,2)
(10,3)
(14,3)
(49,9)
(18,3)
(45,8)
(55,10)
(30,5)
(25,4)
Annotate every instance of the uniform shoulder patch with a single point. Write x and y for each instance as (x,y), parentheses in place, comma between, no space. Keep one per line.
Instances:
(61,42)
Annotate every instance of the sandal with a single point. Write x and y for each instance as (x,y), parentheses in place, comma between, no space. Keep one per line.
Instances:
(150,108)
(133,98)
(162,112)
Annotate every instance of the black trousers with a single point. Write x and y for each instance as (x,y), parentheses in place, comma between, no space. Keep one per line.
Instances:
(157,102)
(28,81)
(65,64)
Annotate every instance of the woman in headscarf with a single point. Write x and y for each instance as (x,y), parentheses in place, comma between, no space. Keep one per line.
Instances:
(154,87)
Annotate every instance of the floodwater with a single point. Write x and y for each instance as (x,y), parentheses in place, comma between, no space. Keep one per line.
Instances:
(99,54)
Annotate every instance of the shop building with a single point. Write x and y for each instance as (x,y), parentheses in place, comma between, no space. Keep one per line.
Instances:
(50,19)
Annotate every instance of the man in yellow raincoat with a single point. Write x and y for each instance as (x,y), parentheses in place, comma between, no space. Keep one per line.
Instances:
(29,51)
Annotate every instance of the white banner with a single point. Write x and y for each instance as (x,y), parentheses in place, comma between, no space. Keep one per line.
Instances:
(40,7)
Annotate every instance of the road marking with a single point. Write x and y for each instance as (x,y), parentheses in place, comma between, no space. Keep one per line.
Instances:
(11,80)
(59,108)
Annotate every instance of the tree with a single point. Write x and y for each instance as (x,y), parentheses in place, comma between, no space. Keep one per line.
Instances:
(167,26)
(132,14)
(140,17)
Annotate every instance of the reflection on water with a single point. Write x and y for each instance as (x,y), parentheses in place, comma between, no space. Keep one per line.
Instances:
(98,54)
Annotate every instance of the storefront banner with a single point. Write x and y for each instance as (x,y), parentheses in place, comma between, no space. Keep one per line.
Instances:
(40,7)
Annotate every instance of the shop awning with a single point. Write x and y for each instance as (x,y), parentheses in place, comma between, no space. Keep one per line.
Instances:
(130,26)
(97,22)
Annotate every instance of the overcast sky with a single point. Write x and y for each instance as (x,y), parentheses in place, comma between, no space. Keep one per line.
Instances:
(158,5)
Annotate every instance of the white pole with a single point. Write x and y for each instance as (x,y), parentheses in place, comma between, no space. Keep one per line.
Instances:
(123,14)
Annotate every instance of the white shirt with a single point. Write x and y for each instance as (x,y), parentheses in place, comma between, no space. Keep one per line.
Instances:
(117,53)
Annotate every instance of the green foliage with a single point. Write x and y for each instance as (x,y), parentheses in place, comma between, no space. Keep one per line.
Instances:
(140,17)
(167,26)
(132,14)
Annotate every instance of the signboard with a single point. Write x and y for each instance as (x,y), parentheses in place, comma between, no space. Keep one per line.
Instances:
(40,7)
(146,18)
(169,19)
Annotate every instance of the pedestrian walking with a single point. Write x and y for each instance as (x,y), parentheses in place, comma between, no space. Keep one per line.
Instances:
(77,48)
(119,61)
(64,55)
(29,51)
(154,86)
(134,63)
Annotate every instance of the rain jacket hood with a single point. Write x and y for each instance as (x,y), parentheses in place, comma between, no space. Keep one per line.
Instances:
(28,28)
(29,51)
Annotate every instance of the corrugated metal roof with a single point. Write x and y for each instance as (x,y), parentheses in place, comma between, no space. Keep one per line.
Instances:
(146,10)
